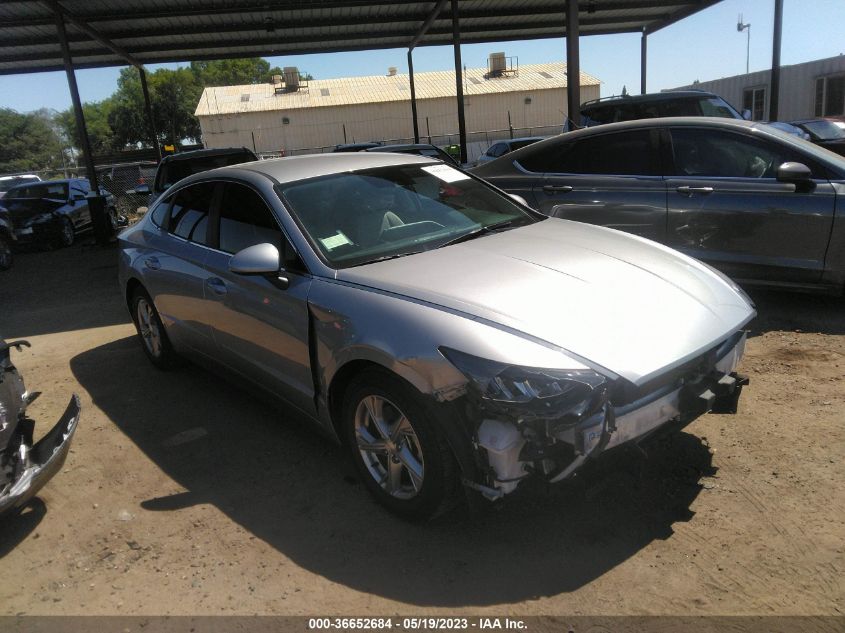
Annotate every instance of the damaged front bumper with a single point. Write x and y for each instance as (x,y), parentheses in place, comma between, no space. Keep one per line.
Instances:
(41,461)
(26,466)
(555,449)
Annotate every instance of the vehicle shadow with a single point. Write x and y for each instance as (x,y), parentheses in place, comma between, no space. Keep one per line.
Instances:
(794,311)
(17,525)
(60,291)
(297,492)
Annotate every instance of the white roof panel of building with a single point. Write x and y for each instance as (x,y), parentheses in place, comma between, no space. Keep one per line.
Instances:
(381,88)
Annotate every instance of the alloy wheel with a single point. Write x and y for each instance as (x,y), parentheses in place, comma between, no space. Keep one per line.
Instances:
(148,327)
(389,447)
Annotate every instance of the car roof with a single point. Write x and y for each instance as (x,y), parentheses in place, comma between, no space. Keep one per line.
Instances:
(389,148)
(522,138)
(293,168)
(652,96)
(200,153)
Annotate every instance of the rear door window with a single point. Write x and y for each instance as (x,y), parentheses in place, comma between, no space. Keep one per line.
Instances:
(189,215)
(619,154)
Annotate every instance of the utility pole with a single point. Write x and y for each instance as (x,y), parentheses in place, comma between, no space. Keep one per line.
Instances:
(740,27)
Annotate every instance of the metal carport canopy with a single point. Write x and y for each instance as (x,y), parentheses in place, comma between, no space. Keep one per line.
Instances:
(155,31)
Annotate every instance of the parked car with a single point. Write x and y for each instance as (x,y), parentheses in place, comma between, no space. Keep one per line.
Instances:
(762,206)
(26,466)
(355,147)
(501,148)
(175,167)
(123,179)
(824,133)
(657,105)
(420,149)
(444,332)
(7,182)
(789,129)
(53,212)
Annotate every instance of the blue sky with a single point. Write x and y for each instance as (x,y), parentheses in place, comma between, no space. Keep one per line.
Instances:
(704,46)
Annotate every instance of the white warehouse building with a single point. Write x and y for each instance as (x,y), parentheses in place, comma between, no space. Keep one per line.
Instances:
(808,90)
(313,116)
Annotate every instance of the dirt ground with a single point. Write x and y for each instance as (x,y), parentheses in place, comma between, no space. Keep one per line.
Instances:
(184,495)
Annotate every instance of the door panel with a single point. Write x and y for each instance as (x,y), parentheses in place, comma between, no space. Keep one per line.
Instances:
(727,208)
(174,271)
(260,326)
(628,203)
(611,179)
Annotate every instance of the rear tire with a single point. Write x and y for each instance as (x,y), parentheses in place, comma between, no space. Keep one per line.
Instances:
(398,451)
(151,331)
(6,257)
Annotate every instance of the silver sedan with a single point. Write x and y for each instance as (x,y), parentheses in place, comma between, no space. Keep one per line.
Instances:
(453,339)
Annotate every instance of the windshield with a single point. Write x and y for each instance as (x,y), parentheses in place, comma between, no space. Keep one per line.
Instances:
(370,215)
(8,183)
(824,130)
(55,190)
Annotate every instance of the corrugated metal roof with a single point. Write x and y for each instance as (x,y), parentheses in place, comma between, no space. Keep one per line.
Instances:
(185,30)
(381,88)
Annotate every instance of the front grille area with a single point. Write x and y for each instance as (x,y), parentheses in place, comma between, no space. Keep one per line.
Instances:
(625,392)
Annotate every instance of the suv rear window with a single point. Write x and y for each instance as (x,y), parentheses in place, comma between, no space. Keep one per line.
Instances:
(172,172)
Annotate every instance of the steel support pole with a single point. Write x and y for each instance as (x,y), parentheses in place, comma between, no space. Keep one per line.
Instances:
(643,62)
(775,82)
(413,96)
(459,81)
(573,62)
(148,108)
(96,202)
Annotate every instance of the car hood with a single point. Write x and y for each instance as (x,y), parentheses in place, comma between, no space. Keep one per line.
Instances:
(23,209)
(619,302)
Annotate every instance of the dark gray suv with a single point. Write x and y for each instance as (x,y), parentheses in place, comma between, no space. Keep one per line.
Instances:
(763,206)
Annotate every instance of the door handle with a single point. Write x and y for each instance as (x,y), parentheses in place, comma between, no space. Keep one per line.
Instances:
(217,285)
(557,188)
(152,263)
(688,191)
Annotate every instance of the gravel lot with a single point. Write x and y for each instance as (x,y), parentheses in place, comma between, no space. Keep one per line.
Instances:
(184,495)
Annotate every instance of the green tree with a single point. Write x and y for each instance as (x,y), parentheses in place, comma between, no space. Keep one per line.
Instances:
(97,122)
(233,72)
(28,142)
(174,95)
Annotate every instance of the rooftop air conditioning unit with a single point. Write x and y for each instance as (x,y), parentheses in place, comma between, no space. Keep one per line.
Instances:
(498,64)
(291,78)
(391,72)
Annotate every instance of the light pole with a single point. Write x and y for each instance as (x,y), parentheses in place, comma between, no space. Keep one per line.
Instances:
(740,27)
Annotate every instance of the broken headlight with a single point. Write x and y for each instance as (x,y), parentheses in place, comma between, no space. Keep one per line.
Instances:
(530,392)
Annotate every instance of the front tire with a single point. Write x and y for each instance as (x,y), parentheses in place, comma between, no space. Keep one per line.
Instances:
(67,234)
(151,331)
(399,453)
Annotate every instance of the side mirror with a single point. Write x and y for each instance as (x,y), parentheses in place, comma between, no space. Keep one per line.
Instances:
(259,259)
(794,173)
(76,197)
(746,114)
(519,199)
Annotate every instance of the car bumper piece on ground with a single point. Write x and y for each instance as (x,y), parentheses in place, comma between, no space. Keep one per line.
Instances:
(43,460)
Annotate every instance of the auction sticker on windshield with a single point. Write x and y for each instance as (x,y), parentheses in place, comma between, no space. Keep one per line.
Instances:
(445,173)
